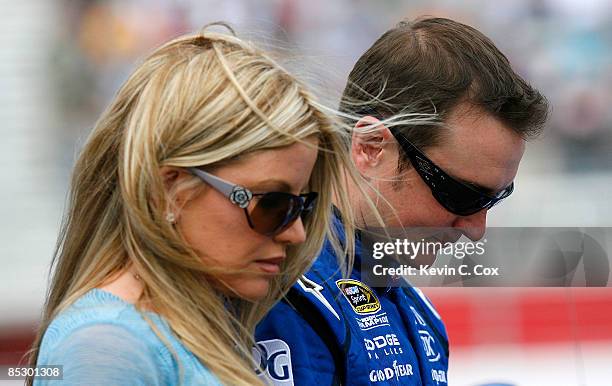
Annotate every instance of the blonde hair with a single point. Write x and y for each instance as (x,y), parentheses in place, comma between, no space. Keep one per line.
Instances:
(198,100)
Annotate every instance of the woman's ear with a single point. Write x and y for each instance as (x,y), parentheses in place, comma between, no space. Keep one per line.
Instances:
(368,148)
(172,178)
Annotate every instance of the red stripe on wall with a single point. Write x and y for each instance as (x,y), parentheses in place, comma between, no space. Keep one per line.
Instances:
(473,316)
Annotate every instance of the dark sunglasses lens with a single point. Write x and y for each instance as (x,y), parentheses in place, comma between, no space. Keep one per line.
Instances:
(466,208)
(460,200)
(273,212)
(463,201)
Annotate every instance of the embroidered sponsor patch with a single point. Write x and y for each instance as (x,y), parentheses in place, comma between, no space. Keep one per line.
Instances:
(274,360)
(361,298)
(399,370)
(429,346)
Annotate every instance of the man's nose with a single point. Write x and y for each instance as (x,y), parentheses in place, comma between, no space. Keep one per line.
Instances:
(473,226)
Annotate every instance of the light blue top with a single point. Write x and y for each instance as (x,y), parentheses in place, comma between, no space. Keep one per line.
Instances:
(103,340)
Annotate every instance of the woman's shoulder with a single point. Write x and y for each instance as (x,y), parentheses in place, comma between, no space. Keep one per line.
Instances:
(98,307)
(104,354)
(102,336)
(102,340)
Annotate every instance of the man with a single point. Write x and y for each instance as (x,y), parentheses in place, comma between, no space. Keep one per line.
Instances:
(332,330)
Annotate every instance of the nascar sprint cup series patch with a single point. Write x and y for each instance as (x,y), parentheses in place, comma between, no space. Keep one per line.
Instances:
(361,298)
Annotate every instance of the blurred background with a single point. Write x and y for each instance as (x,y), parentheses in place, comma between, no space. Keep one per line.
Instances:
(62,60)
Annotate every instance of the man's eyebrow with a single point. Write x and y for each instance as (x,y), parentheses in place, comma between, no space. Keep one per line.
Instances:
(271,184)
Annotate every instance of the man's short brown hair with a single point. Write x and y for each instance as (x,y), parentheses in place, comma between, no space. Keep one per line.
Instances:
(430,65)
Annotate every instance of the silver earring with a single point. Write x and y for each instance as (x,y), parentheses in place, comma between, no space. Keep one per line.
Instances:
(170,217)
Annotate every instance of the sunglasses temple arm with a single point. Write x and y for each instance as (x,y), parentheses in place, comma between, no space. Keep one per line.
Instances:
(221,185)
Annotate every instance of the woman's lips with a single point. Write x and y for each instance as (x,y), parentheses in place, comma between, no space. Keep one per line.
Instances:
(271,265)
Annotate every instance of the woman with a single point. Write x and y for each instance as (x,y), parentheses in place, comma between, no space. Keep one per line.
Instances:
(202,194)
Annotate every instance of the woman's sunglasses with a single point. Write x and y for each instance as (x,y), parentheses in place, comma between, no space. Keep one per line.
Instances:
(272,213)
(456,196)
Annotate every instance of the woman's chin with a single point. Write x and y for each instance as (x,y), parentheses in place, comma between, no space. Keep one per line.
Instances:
(251,289)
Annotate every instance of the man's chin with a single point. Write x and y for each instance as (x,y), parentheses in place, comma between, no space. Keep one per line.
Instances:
(424,260)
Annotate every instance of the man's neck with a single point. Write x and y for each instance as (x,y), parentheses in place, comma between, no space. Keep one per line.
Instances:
(356,198)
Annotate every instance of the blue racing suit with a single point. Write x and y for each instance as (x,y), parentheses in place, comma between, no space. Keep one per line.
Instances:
(334,331)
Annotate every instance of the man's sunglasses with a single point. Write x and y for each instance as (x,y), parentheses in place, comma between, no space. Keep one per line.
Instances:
(455,196)
(272,213)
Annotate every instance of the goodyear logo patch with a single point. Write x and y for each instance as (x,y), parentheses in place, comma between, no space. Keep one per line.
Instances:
(361,298)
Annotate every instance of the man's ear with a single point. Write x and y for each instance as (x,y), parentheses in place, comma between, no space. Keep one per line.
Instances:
(172,177)
(369,144)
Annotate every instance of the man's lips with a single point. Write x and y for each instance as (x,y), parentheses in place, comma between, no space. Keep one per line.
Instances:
(271,265)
